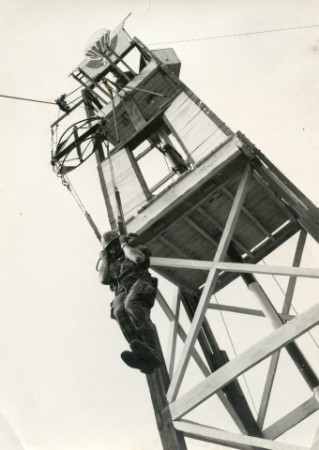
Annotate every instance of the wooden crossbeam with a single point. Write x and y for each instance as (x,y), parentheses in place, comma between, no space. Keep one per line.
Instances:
(274,197)
(200,363)
(291,419)
(285,310)
(172,246)
(226,438)
(180,330)
(173,334)
(201,231)
(296,263)
(235,267)
(220,227)
(209,286)
(248,311)
(272,369)
(250,216)
(247,359)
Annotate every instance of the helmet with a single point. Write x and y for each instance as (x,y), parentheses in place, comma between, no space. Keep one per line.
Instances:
(108,237)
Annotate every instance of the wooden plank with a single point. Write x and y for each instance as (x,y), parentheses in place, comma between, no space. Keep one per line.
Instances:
(247,311)
(172,340)
(211,219)
(134,112)
(172,246)
(274,197)
(296,263)
(267,389)
(162,181)
(226,438)
(144,152)
(191,94)
(250,216)
(285,310)
(190,180)
(198,133)
(291,419)
(199,361)
(235,267)
(190,159)
(209,286)
(208,146)
(201,231)
(307,212)
(247,359)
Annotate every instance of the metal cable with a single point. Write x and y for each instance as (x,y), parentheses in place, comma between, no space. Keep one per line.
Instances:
(292,306)
(223,36)
(234,350)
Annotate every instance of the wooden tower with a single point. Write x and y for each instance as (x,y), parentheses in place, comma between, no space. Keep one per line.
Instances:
(210,216)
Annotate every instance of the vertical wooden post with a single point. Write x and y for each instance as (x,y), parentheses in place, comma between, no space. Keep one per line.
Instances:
(158,383)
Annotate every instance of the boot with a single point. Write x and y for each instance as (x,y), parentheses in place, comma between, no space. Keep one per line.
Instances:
(133,361)
(146,353)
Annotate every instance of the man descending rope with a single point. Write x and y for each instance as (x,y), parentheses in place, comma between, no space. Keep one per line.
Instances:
(124,267)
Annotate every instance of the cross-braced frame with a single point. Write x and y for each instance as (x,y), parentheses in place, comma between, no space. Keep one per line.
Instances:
(286,329)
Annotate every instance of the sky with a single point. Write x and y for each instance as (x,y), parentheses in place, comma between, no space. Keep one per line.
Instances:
(62,383)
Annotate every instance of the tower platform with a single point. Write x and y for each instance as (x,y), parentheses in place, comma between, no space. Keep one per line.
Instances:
(187,218)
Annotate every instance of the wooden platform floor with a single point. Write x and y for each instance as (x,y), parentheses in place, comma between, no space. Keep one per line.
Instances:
(187,219)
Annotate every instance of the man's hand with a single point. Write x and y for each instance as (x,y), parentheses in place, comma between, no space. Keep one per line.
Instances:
(133,254)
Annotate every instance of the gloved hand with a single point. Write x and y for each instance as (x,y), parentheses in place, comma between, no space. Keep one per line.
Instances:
(134,254)
(130,238)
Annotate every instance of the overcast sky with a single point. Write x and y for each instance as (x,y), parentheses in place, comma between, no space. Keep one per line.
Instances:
(62,383)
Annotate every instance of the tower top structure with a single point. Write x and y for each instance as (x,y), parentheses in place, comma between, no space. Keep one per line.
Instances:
(210,205)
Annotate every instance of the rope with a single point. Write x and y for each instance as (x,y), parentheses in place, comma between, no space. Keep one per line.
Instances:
(234,350)
(223,36)
(66,182)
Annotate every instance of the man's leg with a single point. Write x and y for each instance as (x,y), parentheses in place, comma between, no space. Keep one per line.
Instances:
(138,304)
(118,312)
(131,334)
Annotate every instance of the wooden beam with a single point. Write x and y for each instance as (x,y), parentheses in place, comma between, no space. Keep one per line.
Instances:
(170,315)
(215,358)
(296,263)
(220,227)
(272,369)
(235,267)
(307,212)
(285,310)
(201,231)
(247,359)
(173,246)
(248,311)
(250,216)
(144,152)
(210,285)
(291,419)
(226,438)
(201,364)
(172,340)
(187,183)
(274,197)
(162,181)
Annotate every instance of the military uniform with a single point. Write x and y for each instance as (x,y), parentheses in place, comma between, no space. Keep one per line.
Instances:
(135,292)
